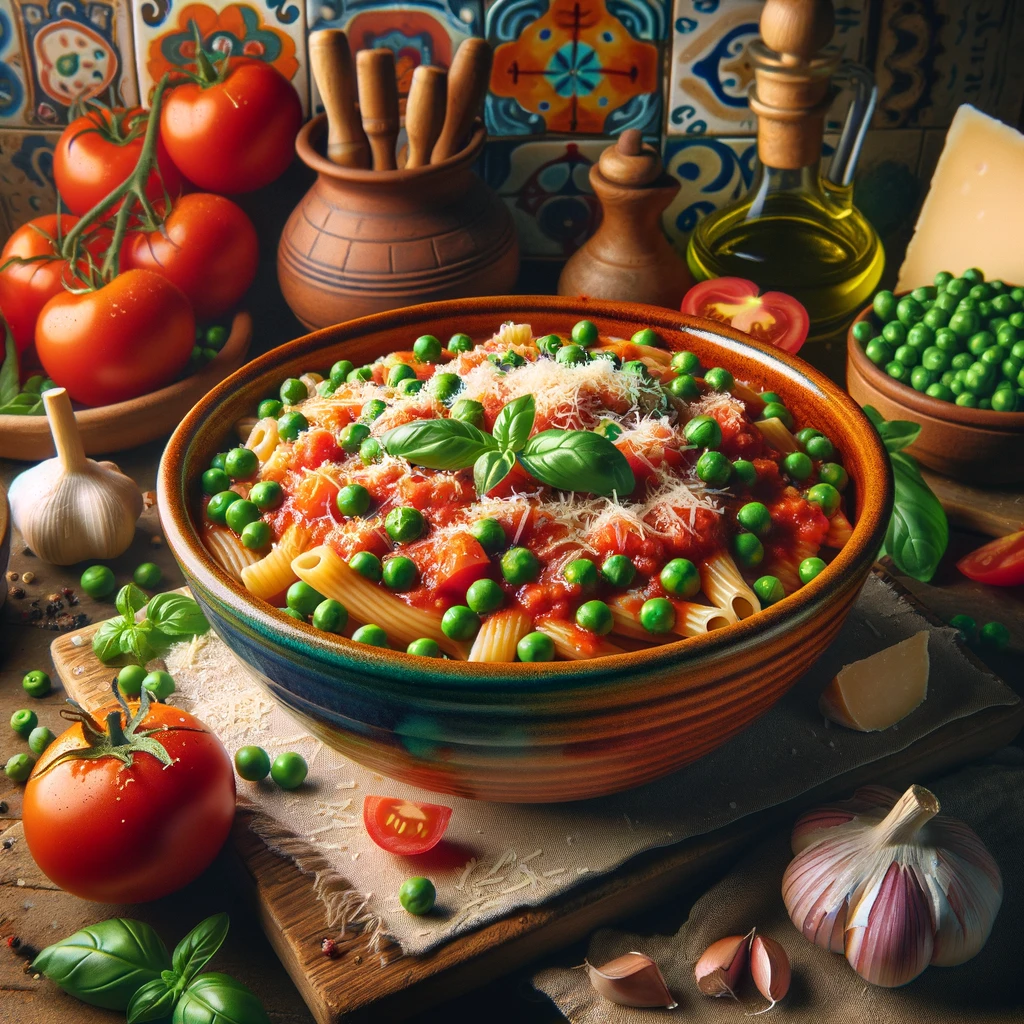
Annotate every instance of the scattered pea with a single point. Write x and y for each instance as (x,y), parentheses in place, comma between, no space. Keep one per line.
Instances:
(241,463)
(266,495)
(468,411)
(23,722)
(519,566)
(36,683)
(289,770)
(160,684)
(748,550)
(417,895)
(19,767)
(460,343)
(703,432)
(427,349)
(688,363)
(252,763)
(353,500)
(585,333)
(745,472)
(994,636)
(719,379)
(148,575)
(404,524)
(966,627)
(331,616)
(714,469)
(755,517)
(400,573)
(98,581)
(581,572)
(797,465)
(39,739)
(130,680)
(293,391)
(303,598)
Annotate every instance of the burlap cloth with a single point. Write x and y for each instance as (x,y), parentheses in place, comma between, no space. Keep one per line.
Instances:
(498,857)
(824,988)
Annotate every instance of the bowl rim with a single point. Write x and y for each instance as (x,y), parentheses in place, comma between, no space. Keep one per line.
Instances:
(918,401)
(395,666)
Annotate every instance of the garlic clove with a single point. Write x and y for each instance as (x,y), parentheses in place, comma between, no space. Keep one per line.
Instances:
(632,979)
(769,967)
(720,968)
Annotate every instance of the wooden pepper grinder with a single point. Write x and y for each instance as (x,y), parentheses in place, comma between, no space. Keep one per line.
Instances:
(628,258)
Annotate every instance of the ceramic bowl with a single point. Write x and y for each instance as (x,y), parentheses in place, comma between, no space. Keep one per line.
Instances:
(974,445)
(528,732)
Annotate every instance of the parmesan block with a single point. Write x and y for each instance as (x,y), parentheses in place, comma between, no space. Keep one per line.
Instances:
(973,215)
(879,691)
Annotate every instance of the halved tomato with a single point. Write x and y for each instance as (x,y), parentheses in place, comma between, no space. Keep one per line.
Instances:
(774,318)
(999,563)
(460,562)
(402,826)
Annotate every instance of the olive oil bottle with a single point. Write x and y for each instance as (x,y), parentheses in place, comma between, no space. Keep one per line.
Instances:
(796,230)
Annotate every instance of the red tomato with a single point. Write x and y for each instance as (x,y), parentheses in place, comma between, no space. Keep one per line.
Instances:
(460,562)
(236,133)
(999,563)
(123,340)
(90,161)
(115,832)
(404,827)
(774,318)
(207,247)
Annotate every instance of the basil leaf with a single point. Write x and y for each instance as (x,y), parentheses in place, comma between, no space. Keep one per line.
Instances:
(129,600)
(106,641)
(194,951)
(490,469)
(918,531)
(874,415)
(218,999)
(137,641)
(10,385)
(154,1001)
(898,434)
(513,424)
(105,964)
(177,615)
(438,444)
(578,460)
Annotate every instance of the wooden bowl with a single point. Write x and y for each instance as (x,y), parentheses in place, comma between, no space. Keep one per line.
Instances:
(536,732)
(975,445)
(113,428)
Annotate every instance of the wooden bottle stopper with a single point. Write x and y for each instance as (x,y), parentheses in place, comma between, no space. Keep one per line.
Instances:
(331,61)
(468,78)
(424,113)
(378,103)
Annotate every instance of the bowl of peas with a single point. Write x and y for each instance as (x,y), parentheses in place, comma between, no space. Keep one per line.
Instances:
(950,357)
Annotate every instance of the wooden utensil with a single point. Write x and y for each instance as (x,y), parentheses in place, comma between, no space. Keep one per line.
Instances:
(425,113)
(378,103)
(331,61)
(468,78)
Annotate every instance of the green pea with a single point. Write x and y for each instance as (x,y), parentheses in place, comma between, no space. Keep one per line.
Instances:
(293,391)
(680,578)
(160,684)
(519,566)
(460,343)
(217,462)
(445,386)
(572,355)
(252,763)
(878,351)
(884,305)
(920,336)
(897,371)
(895,333)
(769,590)
(1005,400)
(967,627)
(907,355)
(405,524)
(684,386)
(240,513)
(468,411)
(755,517)
(331,616)
(241,463)
(98,580)
(820,448)
(581,572)
(19,767)
(958,287)
(637,367)
(719,379)
(289,770)
(585,333)
(417,896)
(339,372)
(805,434)
(148,575)
(1017,319)
(400,573)
(809,568)
(935,317)
(214,480)
(714,469)
(23,722)
(967,400)
(920,378)
(940,391)
(484,596)
(424,648)
(618,570)
(535,646)
(371,635)
(993,356)
(398,373)
(372,410)
(367,564)
(269,408)
(797,465)
(826,497)
(359,375)
(775,410)
(409,388)
(303,598)
(748,550)
(130,680)
(460,623)
(256,535)
(946,302)
(973,275)
(961,361)
(909,310)
(291,424)
(994,636)
(427,349)
(770,396)
(267,494)
(370,451)
(353,500)
(964,323)
(352,436)
(1007,334)
(935,359)
(834,474)
(687,362)
(863,332)
(980,341)
(595,616)
(942,278)
(745,472)
(923,293)
(969,305)
(292,613)
(658,615)
(1004,304)
(704,432)
(39,739)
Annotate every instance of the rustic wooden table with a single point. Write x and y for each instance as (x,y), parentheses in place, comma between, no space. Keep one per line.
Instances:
(34,913)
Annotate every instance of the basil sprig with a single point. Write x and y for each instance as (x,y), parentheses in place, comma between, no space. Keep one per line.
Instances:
(918,531)
(568,460)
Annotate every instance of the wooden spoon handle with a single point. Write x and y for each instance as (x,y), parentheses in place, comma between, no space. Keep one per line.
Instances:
(64,429)
(424,113)
(331,61)
(468,78)
(378,103)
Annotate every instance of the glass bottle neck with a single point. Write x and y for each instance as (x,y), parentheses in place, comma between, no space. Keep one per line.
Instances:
(780,184)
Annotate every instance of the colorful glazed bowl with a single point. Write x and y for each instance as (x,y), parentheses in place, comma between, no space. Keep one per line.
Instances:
(528,733)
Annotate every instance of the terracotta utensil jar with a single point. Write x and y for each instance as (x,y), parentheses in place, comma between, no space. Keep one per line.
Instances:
(365,241)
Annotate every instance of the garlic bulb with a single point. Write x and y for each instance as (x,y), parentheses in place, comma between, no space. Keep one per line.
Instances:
(895,888)
(71,508)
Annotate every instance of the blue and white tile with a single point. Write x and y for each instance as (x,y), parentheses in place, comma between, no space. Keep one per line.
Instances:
(26,174)
(13,93)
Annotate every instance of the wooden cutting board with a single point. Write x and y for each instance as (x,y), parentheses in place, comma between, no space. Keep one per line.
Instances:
(995,511)
(356,987)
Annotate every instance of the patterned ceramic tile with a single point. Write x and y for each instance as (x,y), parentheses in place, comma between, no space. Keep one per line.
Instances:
(934,56)
(66,50)
(270,30)
(547,189)
(13,93)
(426,32)
(709,72)
(26,175)
(575,66)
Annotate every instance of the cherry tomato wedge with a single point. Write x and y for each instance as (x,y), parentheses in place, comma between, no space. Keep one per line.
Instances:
(1000,563)
(774,318)
(402,826)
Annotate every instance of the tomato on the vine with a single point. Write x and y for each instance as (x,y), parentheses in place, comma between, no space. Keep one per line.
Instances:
(97,152)
(403,826)
(127,808)
(232,129)
(207,246)
(124,339)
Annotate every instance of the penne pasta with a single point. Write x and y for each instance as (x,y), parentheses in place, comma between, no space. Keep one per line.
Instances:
(499,635)
(573,643)
(311,380)
(228,551)
(263,439)
(273,573)
(755,403)
(840,530)
(694,619)
(787,568)
(726,588)
(777,434)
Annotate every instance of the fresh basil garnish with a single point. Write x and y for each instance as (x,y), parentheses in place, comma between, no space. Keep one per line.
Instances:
(219,999)
(176,615)
(578,460)
(490,469)
(168,617)
(138,640)
(9,383)
(130,599)
(155,1000)
(194,951)
(106,641)
(895,434)
(513,424)
(438,444)
(105,964)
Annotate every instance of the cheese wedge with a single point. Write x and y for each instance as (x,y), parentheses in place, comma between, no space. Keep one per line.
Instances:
(879,691)
(973,215)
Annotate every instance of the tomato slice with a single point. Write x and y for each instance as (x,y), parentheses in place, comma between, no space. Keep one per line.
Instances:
(402,826)
(459,563)
(774,317)
(999,563)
